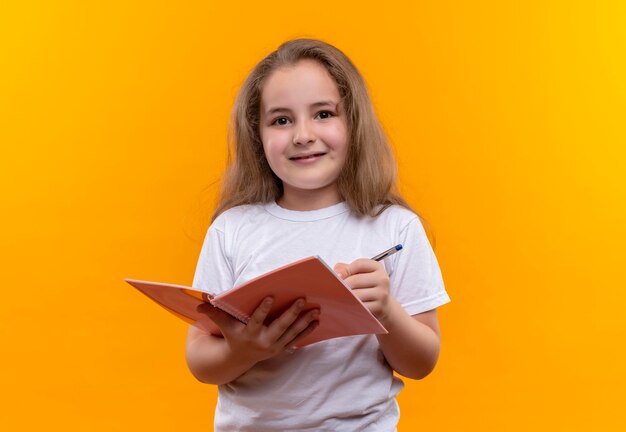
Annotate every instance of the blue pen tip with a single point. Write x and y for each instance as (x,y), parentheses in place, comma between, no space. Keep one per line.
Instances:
(398,247)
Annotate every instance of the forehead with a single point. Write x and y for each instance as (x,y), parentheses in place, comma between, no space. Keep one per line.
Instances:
(306,82)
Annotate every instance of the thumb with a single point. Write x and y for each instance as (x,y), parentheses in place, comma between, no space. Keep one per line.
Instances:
(342,270)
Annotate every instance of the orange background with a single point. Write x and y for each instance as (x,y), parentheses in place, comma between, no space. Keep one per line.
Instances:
(508,122)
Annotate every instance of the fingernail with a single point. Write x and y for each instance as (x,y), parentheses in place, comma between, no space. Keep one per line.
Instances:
(315,315)
(300,303)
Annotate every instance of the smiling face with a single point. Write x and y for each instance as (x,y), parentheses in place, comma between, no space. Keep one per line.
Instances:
(304,133)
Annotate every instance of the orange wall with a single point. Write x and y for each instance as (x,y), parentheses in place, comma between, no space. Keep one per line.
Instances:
(508,122)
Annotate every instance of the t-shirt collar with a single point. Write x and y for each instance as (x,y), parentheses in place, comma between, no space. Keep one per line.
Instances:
(306,216)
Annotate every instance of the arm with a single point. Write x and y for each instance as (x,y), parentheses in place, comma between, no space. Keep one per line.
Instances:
(210,360)
(215,360)
(412,346)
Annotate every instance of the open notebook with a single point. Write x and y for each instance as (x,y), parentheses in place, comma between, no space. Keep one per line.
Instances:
(341,312)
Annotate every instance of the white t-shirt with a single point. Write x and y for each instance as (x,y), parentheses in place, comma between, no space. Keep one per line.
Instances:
(342,384)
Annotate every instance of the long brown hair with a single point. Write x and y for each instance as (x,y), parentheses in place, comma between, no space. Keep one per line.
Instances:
(367,181)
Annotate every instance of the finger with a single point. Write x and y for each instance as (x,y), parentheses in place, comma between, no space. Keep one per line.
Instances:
(362,280)
(255,323)
(221,319)
(342,270)
(282,323)
(301,324)
(363,265)
(367,294)
(307,331)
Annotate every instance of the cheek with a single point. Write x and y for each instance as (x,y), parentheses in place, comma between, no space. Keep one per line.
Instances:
(269,145)
(338,139)
(275,143)
(272,150)
(266,139)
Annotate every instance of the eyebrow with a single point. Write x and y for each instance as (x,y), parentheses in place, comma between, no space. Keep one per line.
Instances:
(313,105)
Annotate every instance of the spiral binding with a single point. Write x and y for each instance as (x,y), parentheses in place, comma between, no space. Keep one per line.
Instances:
(230,310)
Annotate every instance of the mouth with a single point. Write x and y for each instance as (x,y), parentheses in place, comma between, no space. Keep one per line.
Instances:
(307,156)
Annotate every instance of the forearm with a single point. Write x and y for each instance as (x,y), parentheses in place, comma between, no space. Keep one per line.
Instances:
(211,361)
(411,347)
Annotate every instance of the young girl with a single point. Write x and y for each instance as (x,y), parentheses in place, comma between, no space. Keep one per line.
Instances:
(313,174)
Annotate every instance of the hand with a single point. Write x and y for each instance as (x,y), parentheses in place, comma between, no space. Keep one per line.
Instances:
(255,341)
(370,283)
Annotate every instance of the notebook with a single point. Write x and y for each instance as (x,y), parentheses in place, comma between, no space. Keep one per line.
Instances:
(341,312)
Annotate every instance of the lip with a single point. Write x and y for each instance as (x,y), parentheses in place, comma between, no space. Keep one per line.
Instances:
(308,157)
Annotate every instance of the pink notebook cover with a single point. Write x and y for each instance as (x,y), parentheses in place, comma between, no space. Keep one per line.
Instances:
(341,312)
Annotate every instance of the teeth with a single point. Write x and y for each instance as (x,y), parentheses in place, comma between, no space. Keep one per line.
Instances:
(307,157)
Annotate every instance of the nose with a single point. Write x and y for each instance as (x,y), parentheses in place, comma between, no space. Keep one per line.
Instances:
(303,134)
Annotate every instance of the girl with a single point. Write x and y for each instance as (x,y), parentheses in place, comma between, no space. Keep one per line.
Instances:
(313,174)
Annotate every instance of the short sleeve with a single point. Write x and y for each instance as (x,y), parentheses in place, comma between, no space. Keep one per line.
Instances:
(416,281)
(213,272)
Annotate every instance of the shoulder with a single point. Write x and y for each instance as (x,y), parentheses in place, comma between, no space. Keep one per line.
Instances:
(397,216)
(235,216)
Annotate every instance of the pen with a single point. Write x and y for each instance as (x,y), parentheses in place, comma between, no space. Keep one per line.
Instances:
(388,252)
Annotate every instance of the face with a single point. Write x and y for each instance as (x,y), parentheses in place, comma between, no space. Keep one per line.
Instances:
(303,130)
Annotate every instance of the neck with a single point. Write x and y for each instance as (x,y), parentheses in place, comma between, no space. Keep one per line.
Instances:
(306,200)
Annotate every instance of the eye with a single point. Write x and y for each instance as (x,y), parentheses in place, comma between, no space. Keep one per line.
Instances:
(325,114)
(280,121)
